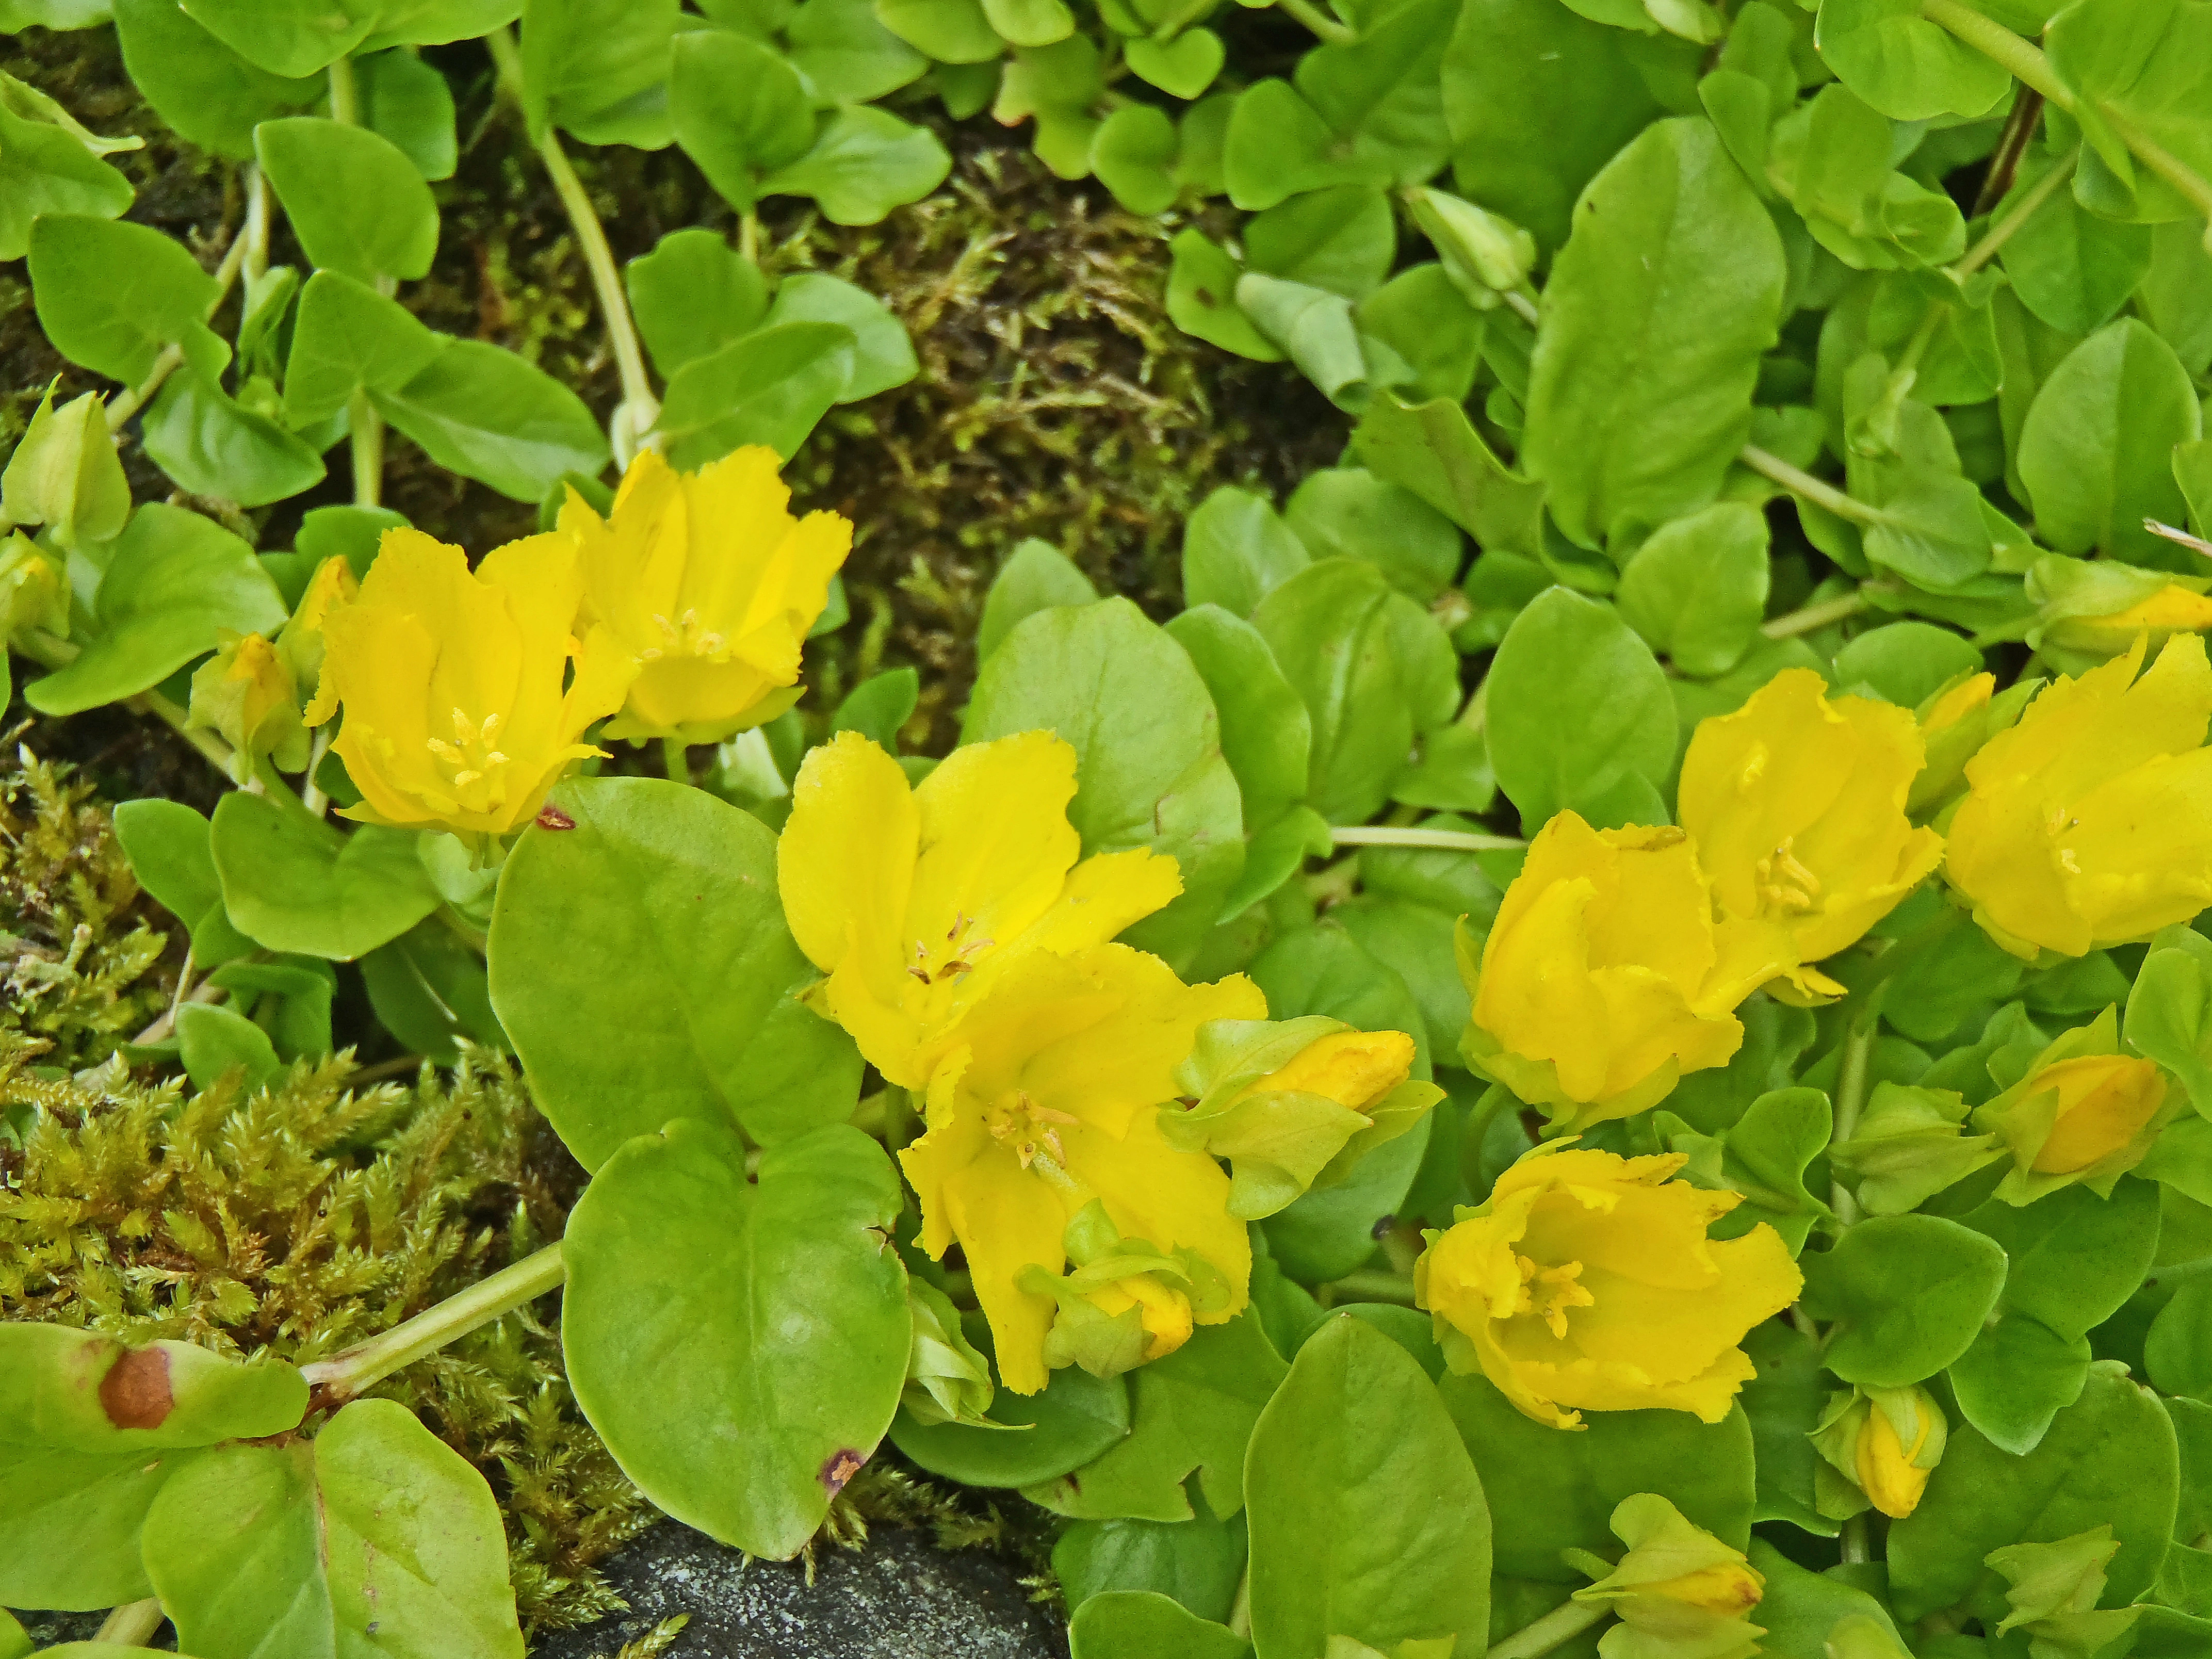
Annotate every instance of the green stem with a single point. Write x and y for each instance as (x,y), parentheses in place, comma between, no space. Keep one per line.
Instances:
(366,427)
(1523,304)
(675,756)
(1319,21)
(131,1626)
(122,406)
(345,94)
(1851,1100)
(1570,1618)
(1994,40)
(1451,841)
(2004,230)
(640,409)
(1373,1287)
(1799,482)
(749,237)
(1814,617)
(310,794)
(344,1376)
(2191,184)
(1853,1540)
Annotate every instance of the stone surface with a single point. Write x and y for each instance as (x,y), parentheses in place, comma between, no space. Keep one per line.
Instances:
(900,1597)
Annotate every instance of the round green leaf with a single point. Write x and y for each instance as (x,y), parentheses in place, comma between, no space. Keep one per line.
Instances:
(2109,1460)
(376,1537)
(739,1344)
(1265,735)
(1133,153)
(209,95)
(293,884)
(1235,548)
(883,355)
(1697,589)
(1905,66)
(769,387)
(479,409)
(865,162)
(1145,1625)
(1076,1418)
(692,295)
(1198,1561)
(166,843)
(1367,1518)
(2178,1350)
(740,110)
(1560,1489)
(702,1019)
(356,203)
(1036,576)
(1908,1294)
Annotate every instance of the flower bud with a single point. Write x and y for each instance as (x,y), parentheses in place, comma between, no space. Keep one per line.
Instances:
(2091,610)
(2055,1588)
(1910,1145)
(64,473)
(33,588)
(301,643)
(1126,1302)
(1884,1441)
(1680,1592)
(2084,1112)
(245,693)
(1482,253)
(1293,1104)
(947,1380)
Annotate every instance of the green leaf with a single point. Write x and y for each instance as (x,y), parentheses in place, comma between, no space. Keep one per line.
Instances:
(1908,1294)
(598,69)
(345,337)
(1654,319)
(1133,153)
(1367,1517)
(111,296)
(1346,511)
(213,1040)
(211,445)
(1378,93)
(1147,742)
(1905,65)
(1905,663)
(173,582)
(680,889)
(883,355)
(404,100)
(1314,327)
(1373,670)
(2148,64)
(2096,453)
(376,1537)
(1421,335)
(1236,550)
(692,295)
(2109,1460)
(428,989)
(1074,1418)
(1036,576)
(1537,99)
(1578,714)
(1785,1402)
(865,162)
(480,411)
(1433,450)
(848,56)
(1198,1562)
(758,1379)
(1801,1607)
(293,884)
(1341,239)
(949,31)
(1201,299)
(2169,1014)
(738,110)
(89,1432)
(2016,1378)
(1697,590)
(1278,146)
(2073,269)
(1144,1625)
(167,842)
(1192,1413)
(1183,67)
(209,95)
(1560,1489)
(357,204)
(291,37)
(47,169)
(2178,1349)
(1266,734)
(770,388)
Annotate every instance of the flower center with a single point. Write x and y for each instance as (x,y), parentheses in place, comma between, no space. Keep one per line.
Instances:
(953,959)
(1548,1293)
(1031,1130)
(686,636)
(1786,887)
(470,757)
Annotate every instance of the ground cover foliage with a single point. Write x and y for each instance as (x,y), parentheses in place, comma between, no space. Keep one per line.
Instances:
(1425,876)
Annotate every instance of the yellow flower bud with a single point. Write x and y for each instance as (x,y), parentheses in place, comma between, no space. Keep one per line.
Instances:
(2080,829)
(1680,1593)
(1899,1440)
(1165,1313)
(2084,1112)
(300,643)
(246,692)
(1949,706)
(1605,976)
(1796,804)
(33,590)
(1588,1281)
(450,681)
(2089,611)
(911,899)
(1355,1069)
(712,584)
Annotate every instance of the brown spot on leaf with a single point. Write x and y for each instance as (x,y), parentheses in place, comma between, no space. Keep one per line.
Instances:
(550,816)
(134,1393)
(841,1468)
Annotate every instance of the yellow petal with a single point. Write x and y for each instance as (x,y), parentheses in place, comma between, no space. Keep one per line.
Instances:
(845,862)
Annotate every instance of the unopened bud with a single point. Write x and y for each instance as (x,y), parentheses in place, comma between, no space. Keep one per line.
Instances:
(947,1380)
(33,588)
(246,694)
(1483,254)
(1679,1590)
(1910,1145)
(2055,1588)
(64,473)
(300,642)
(1884,1442)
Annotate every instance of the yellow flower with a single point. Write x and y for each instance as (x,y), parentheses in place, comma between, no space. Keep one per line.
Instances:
(1796,804)
(246,692)
(2084,1112)
(1044,1105)
(1587,1281)
(1884,1442)
(712,583)
(1605,976)
(300,642)
(2083,824)
(1680,1592)
(452,682)
(912,900)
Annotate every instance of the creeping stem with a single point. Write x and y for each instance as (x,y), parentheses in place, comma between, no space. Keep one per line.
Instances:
(1814,617)
(132,1624)
(363,420)
(123,404)
(1451,841)
(1570,1618)
(639,407)
(1850,1100)
(1798,482)
(1327,28)
(343,1376)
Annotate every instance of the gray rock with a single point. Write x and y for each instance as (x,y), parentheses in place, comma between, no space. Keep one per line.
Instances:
(898,1598)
